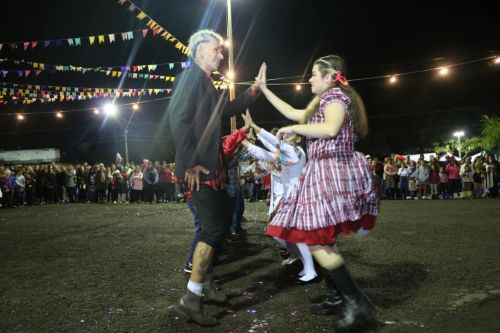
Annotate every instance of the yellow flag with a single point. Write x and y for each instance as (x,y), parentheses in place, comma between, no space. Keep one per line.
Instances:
(141,15)
(101,39)
(91,39)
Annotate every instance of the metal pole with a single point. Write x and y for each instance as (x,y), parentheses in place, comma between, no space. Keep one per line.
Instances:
(459,148)
(125,135)
(232,93)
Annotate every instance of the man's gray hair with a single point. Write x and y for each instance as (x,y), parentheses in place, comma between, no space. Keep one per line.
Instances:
(202,36)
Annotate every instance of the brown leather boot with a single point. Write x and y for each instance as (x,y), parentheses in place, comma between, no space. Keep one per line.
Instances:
(190,305)
(211,293)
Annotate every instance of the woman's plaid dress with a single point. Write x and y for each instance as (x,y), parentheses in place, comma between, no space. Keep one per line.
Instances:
(335,192)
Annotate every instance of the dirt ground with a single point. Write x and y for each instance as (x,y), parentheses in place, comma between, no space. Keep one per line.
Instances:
(428,266)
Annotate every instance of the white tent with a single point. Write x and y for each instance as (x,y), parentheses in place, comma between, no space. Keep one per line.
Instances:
(427,157)
(443,158)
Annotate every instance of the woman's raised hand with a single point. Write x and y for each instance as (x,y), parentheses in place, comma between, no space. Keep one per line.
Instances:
(260,80)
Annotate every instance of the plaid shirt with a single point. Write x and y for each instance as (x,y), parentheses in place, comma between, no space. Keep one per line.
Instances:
(229,145)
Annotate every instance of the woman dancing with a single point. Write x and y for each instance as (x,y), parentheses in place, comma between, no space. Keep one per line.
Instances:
(335,193)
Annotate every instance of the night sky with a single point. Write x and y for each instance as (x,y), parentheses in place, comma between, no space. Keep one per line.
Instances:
(374,38)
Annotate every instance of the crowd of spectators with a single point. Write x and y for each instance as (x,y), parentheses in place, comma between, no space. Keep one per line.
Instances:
(398,177)
(28,185)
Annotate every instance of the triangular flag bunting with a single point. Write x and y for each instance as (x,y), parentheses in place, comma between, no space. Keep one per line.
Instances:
(144,33)
(91,39)
(111,38)
(141,15)
(33,44)
(101,39)
(78,41)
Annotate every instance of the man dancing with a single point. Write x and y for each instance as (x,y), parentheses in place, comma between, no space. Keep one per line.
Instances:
(195,112)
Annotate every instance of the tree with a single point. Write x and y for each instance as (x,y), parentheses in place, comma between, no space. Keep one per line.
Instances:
(489,139)
(448,146)
(491,132)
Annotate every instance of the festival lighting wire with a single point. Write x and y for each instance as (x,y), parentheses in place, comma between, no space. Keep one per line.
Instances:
(31,62)
(149,17)
(387,76)
(271,80)
(85,109)
(41,42)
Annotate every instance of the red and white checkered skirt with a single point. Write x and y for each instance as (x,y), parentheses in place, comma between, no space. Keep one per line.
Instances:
(335,194)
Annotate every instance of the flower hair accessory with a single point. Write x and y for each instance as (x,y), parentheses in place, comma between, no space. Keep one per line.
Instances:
(340,78)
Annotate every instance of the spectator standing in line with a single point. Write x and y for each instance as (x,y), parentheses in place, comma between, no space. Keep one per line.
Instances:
(70,183)
(422,176)
(150,178)
(390,172)
(453,171)
(137,184)
(434,180)
(404,174)
(20,188)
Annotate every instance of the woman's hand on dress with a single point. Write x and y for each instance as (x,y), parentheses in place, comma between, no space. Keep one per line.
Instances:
(285,132)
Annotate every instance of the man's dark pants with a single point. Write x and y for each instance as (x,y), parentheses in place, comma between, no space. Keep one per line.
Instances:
(214,210)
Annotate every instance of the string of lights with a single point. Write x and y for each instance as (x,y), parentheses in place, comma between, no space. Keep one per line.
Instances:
(71,67)
(108,109)
(393,78)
